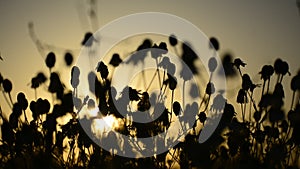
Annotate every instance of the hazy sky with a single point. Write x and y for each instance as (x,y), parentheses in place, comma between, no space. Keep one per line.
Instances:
(257,31)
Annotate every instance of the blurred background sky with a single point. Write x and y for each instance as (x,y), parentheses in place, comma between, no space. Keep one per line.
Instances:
(256,31)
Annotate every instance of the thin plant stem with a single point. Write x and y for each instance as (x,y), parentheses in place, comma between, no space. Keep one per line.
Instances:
(10,98)
(10,106)
(35,93)
(268,86)
(183,93)
(172,105)
(245,105)
(293,98)
(207,103)
(281,78)
(240,72)
(25,117)
(159,80)
(144,76)
(250,108)
(151,81)
(243,116)
(263,89)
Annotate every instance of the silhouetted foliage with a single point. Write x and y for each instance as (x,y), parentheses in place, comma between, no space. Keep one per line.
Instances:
(7,85)
(173,40)
(262,134)
(88,39)
(115,60)
(228,66)
(50,60)
(69,58)
(214,43)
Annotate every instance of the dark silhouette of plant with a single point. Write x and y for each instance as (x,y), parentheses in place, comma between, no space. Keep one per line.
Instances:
(35,137)
(115,60)
(68,58)
(50,60)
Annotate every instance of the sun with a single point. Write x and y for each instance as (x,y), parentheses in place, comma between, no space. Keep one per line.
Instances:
(110,120)
(105,124)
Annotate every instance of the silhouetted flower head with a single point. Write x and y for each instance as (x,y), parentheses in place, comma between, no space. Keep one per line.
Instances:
(228,114)
(93,83)
(163,47)
(50,60)
(212,64)
(218,103)
(176,108)
(185,73)
(41,78)
(194,91)
(88,39)
(214,43)
(115,60)
(22,100)
(39,107)
(164,62)
(281,67)
(38,80)
(295,83)
(172,82)
(278,91)
(246,82)
(133,94)
(75,72)
(242,97)
(277,66)
(158,51)
(238,63)
(7,85)
(190,112)
(144,103)
(68,58)
(55,85)
(202,117)
(173,40)
(210,88)
(57,110)
(102,68)
(34,83)
(189,57)
(266,72)
(145,45)
(254,86)
(154,52)
(228,66)
(265,101)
